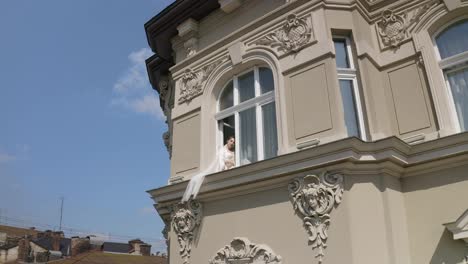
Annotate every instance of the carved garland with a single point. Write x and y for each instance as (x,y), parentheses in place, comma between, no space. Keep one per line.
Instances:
(393,28)
(242,251)
(313,198)
(186,217)
(291,37)
(192,83)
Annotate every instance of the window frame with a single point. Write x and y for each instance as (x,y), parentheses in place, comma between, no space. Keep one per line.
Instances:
(449,65)
(257,102)
(352,74)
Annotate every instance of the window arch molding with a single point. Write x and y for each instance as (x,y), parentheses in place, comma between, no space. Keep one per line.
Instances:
(434,22)
(213,88)
(453,65)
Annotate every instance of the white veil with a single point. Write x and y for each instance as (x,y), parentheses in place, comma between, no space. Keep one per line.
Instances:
(196,181)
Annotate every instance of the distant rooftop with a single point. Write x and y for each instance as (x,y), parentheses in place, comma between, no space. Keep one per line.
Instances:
(17,231)
(116,247)
(108,258)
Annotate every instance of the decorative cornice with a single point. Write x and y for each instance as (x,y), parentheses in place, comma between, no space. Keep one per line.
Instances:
(313,198)
(192,83)
(241,250)
(293,36)
(393,29)
(186,218)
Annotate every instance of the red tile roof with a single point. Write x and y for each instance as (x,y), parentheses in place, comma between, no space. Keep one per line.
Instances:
(109,258)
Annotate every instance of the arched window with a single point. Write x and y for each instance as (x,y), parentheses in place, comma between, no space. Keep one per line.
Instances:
(246,111)
(452,45)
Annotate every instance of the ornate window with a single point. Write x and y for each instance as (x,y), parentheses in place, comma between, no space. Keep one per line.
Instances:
(247,112)
(347,79)
(452,46)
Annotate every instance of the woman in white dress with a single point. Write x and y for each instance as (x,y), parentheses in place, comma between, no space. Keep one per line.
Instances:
(227,155)
(226,160)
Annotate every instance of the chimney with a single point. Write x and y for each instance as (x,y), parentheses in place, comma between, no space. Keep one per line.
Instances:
(24,250)
(79,245)
(56,238)
(140,247)
(145,250)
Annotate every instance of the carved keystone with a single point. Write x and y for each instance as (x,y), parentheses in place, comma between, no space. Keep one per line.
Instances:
(313,198)
(186,217)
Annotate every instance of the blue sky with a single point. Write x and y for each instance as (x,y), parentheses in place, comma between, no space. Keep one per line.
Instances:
(78,117)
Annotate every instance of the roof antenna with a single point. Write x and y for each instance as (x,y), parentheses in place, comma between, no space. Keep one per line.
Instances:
(61,212)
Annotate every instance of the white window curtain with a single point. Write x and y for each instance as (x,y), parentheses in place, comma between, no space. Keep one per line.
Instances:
(270,136)
(458,81)
(248,136)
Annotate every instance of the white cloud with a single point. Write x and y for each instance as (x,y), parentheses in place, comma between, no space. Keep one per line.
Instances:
(133,91)
(5,157)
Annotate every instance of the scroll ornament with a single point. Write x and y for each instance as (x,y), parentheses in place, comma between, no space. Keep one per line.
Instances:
(192,83)
(186,217)
(294,35)
(241,251)
(313,198)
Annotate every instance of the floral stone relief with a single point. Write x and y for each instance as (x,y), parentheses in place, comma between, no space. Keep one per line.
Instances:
(192,83)
(313,198)
(186,217)
(294,35)
(393,28)
(242,251)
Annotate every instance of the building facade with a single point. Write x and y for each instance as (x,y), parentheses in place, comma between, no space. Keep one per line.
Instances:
(349,119)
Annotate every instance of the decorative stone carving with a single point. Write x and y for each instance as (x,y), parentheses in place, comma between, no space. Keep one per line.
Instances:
(192,83)
(191,47)
(242,251)
(166,94)
(186,217)
(291,37)
(313,198)
(165,233)
(168,142)
(393,28)
(190,87)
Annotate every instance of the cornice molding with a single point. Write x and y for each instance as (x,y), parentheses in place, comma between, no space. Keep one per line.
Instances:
(274,20)
(390,156)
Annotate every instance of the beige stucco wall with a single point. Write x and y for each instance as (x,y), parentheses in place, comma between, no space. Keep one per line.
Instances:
(369,226)
(186,144)
(432,200)
(8,256)
(384,218)
(399,97)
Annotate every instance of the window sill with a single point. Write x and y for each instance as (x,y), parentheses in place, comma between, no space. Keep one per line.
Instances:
(390,155)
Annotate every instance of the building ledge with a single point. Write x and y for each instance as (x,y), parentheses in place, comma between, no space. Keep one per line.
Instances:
(350,156)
